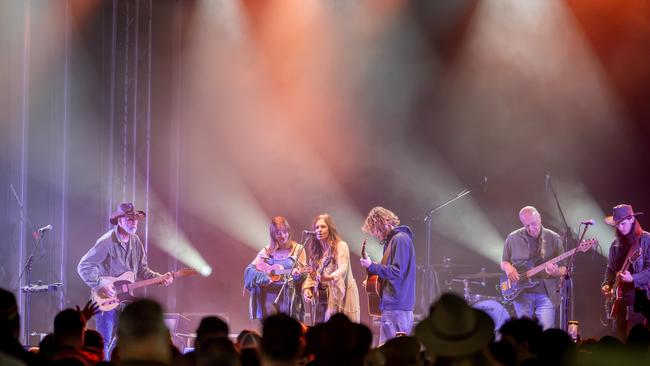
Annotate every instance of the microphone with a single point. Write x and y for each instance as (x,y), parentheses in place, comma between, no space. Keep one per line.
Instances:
(485,182)
(588,222)
(548,181)
(44,229)
(309,232)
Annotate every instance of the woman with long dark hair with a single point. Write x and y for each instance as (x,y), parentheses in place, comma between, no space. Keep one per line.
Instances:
(331,275)
(630,238)
(265,275)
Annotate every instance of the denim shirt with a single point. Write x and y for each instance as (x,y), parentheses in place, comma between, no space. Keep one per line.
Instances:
(110,257)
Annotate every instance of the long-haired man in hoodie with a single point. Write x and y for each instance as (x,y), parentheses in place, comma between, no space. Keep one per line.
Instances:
(396,271)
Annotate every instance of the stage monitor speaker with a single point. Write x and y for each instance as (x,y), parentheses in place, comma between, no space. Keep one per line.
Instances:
(178,324)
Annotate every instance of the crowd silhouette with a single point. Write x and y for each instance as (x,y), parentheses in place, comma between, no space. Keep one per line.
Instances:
(453,333)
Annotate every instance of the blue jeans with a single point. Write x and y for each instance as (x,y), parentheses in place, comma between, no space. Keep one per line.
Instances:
(106,325)
(393,321)
(536,306)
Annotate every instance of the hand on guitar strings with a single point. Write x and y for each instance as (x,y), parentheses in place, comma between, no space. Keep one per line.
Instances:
(606,290)
(169,278)
(324,278)
(625,276)
(307,295)
(511,272)
(365,262)
(107,291)
(552,269)
(91,309)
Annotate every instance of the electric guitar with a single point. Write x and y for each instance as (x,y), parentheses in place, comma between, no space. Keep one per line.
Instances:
(125,284)
(613,300)
(510,289)
(373,287)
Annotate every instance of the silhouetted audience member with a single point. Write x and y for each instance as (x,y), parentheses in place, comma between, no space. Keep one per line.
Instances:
(250,357)
(143,338)
(68,336)
(338,342)
(10,330)
(249,343)
(210,327)
(94,343)
(402,351)
(282,340)
(248,339)
(456,334)
(504,353)
(524,334)
(639,337)
(555,347)
(217,351)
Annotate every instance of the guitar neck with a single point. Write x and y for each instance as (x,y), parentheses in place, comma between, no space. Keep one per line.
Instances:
(149,282)
(535,270)
(626,265)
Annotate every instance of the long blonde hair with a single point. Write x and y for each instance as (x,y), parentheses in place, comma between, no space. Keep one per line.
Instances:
(377,218)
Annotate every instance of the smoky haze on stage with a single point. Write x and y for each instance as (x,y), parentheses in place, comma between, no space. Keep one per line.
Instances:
(215,116)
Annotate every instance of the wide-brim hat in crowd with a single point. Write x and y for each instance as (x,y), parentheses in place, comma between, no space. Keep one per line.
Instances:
(454,329)
(620,213)
(126,209)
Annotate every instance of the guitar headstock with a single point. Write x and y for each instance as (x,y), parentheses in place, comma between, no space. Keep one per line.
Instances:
(585,245)
(185,272)
(363,248)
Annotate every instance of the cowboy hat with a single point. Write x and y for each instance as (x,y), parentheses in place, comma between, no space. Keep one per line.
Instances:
(454,329)
(126,209)
(621,212)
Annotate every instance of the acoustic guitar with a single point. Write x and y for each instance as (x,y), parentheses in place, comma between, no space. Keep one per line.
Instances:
(277,271)
(510,290)
(124,285)
(373,287)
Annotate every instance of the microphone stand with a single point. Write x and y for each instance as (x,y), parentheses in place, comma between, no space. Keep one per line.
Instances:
(566,283)
(287,276)
(27,268)
(426,272)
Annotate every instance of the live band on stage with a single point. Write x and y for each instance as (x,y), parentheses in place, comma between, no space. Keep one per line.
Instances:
(312,280)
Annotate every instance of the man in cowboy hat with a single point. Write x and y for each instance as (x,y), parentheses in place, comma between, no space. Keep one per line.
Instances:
(531,245)
(630,237)
(116,252)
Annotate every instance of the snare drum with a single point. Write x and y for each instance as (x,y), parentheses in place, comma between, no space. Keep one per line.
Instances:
(495,310)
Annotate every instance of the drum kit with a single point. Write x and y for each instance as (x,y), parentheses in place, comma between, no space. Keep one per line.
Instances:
(488,301)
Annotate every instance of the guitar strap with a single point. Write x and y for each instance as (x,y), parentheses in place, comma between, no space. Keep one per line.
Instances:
(384,261)
(630,251)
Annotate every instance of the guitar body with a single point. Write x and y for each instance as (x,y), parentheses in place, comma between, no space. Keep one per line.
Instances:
(613,301)
(373,288)
(510,290)
(122,291)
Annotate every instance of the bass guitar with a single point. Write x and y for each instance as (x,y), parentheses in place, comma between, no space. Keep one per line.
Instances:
(373,287)
(510,289)
(613,300)
(125,284)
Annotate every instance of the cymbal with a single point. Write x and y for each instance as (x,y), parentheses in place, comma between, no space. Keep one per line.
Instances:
(480,275)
